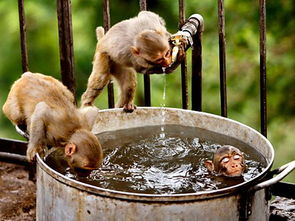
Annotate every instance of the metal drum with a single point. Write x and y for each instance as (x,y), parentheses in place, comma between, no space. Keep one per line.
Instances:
(61,198)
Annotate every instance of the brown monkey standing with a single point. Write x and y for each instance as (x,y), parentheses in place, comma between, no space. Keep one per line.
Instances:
(136,44)
(47,108)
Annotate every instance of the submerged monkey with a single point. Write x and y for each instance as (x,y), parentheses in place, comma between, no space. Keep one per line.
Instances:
(46,107)
(137,44)
(227,161)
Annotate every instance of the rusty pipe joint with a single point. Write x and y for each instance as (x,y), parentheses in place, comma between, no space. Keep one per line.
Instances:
(184,37)
(194,25)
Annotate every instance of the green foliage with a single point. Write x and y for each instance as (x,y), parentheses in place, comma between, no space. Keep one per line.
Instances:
(242,58)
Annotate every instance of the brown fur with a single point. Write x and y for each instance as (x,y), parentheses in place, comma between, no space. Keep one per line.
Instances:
(47,107)
(132,45)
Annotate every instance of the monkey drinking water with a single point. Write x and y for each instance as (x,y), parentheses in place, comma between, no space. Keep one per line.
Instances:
(47,108)
(228,161)
(136,44)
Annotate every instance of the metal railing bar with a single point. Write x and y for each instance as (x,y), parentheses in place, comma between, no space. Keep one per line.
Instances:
(263,102)
(66,50)
(222,58)
(146,77)
(107,25)
(184,84)
(197,72)
(23,37)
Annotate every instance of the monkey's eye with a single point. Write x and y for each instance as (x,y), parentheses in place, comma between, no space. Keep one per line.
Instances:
(237,157)
(159,61)
(225,160)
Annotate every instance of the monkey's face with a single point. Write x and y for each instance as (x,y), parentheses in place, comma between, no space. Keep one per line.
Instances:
(152,48)
(231,164)
(160,58)
(82,161)
(228,161)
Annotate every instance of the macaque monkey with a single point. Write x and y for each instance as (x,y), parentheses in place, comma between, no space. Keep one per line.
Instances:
(137,44)
(45,107)
(228,161)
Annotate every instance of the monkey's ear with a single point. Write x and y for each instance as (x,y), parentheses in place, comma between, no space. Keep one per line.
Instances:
(70,149)
(134,50)
(209,165)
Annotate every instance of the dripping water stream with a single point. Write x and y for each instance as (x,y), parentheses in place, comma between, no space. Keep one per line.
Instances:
(163,105)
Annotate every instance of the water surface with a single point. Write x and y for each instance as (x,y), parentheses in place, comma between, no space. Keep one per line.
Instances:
(157,160)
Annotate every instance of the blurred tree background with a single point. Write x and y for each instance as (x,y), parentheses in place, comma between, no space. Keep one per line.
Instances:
(242,37)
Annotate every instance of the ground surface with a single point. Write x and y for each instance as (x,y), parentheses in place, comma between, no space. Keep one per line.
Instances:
(17,194)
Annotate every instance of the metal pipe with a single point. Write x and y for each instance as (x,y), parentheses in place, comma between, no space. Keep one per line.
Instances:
(13,146)
(222,58)
(184,85)
(197,73)
(13,158)
(263,102)
(23,37)
(66,50)
(146,77)
(14,151)
(107,25)
(195,26)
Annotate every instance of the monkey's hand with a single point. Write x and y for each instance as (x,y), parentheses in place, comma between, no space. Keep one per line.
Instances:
(180,57)
(178,43)
(32,151)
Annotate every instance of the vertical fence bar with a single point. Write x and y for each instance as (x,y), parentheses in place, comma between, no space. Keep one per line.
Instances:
(197,72)
(107,25)
(146,77)
(222,58)
(263,104)
(184,86)
(25,64)
(142,5)
(23,37)
(64,16)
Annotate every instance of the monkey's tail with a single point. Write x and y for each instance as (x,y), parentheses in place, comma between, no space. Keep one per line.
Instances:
(99,33)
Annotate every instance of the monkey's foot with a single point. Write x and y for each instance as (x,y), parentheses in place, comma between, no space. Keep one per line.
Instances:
(129,108)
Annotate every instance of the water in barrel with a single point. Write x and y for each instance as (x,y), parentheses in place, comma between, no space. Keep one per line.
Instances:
(144,160)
